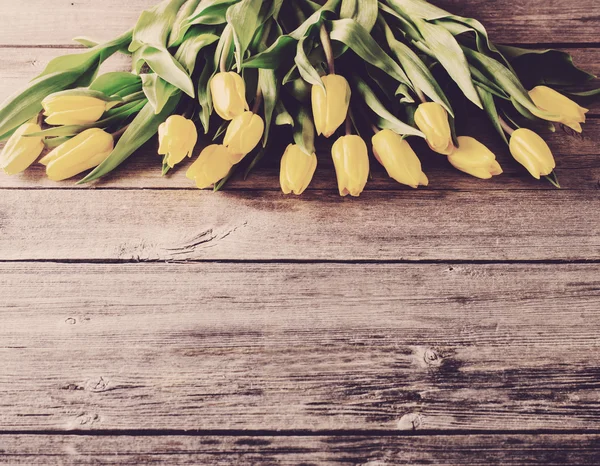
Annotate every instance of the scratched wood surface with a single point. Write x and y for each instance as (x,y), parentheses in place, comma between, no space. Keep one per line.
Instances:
(145,322)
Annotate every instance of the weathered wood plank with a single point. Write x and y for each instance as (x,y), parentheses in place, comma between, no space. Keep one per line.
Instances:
(193,225)
(56,22)
(473,450)
(299,346)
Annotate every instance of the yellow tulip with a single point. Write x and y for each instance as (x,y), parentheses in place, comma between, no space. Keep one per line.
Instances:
(398,158)
(330,105)
(531,151)
(474,158)
(568,112)
(21,151)
(177,138)
(351,161)
(229,95)
(297,170)
(432,119)
(72,109)
(213,164)
(86,150)
(243,135)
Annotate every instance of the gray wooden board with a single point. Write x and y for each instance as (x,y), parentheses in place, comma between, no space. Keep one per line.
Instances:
(441,450)
(299,346)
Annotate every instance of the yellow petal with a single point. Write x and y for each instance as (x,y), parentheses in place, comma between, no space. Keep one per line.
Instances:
(297,170)
(86,150)
(432,120)
(21,151)
(474,158)
(565,110)
(330,106)
(213,164)
(531,151)
(243,135)
(398,158)
(351,161)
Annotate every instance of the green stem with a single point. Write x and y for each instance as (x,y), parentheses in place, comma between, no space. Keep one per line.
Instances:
(225,52)
(327,48)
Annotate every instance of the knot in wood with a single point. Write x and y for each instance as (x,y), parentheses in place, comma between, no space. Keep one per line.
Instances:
(432,358)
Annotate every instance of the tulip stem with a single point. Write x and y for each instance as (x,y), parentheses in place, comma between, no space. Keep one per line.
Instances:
(225,52)
(421,96)
(116,135)
(505,126)
(327,48)
(40,119)
(375,129)
(348,125)
(258,99)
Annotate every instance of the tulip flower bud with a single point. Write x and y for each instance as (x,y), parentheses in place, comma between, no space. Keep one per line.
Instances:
(531,151)
(297,170)
(243,135)
(72,109)
(567,112)
(177,138)
(351,161)
(474,158)
(398,158)
(21,151)
(86,150)
(229,95)
(432,120)
(330,105)
(213,164)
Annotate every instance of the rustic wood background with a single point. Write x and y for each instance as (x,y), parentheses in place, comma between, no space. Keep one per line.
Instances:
(143,321)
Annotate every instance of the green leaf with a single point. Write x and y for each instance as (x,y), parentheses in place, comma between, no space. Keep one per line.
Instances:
(490,108)
(284,45)
(178,33)
(270,90)
(244,18)
(157,91)
(352,34)
(61,73)
(305,67)
(114,83)
(144,126)
(204,95)
(388,120)
(417,71)
(304,130)
(207,12)
(364,12)
(164,64)
(448,52)
(188,52)
(282,116)
(497,72)
(154,25)
(545,67)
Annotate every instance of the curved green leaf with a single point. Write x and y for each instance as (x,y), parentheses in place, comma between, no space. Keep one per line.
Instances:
(142,128)
(388,119)
(352,34)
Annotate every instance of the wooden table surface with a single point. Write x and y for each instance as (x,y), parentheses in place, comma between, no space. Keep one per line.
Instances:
(143,321)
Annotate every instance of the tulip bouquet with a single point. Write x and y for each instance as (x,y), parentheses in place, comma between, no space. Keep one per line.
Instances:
(352,70)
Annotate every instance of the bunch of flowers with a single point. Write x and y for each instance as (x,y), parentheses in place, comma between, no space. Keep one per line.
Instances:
(351,70)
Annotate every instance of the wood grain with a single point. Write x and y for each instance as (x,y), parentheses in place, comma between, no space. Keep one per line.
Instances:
(256,225)
(299,346)
(441,450)
(530,21)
